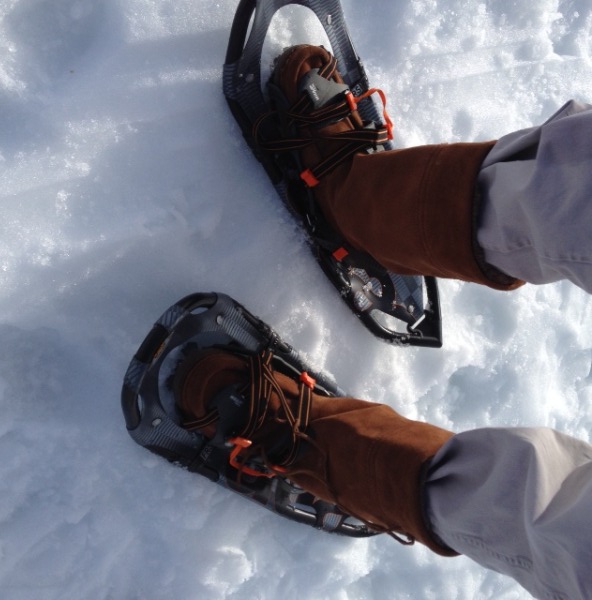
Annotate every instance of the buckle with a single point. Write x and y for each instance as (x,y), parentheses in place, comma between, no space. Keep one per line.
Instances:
(309,178)
(239,444)
(307,380)
(352,102)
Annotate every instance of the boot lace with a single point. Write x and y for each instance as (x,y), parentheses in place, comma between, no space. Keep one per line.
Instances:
(259,391)
(302,115)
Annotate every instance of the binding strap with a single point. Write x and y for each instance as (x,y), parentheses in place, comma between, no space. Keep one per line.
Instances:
(253,412)
(263,387)
(329,103)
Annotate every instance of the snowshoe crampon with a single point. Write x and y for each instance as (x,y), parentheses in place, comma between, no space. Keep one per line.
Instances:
(398,308)
(203,321)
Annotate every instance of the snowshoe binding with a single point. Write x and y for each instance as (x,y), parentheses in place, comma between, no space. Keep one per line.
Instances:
(401,309)
(200,322)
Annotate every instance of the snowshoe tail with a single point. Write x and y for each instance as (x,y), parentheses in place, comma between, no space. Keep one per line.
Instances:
(201,321)
(401,309)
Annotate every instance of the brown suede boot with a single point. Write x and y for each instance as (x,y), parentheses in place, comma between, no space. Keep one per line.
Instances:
(413,210)
(360,455)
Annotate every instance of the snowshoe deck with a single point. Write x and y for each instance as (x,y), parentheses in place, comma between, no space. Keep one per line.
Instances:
(202,321)
(398,308)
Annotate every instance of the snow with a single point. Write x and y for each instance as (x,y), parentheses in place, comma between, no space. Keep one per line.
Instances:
(124,185)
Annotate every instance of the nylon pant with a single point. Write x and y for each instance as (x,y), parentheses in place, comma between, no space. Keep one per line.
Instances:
(518,501)
(536,188)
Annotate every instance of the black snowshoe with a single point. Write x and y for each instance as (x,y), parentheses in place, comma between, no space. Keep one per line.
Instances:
(397,308)
(202,321)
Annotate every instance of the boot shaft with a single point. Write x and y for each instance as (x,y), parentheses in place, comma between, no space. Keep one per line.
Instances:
(369,460)
(414,210)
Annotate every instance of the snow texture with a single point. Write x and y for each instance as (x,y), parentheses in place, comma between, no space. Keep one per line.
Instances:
(125,185)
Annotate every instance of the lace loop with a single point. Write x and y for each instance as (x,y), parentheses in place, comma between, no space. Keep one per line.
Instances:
(262,389)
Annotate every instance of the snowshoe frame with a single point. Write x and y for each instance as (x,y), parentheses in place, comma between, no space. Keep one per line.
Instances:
(371,291)
(205,320)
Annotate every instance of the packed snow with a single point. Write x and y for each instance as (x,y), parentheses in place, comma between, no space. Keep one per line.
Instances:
(125,185)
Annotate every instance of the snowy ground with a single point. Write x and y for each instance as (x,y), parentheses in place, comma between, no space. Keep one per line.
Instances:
(124,186)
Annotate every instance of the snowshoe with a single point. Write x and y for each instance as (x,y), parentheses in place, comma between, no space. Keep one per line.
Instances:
(398,308)
(207,320)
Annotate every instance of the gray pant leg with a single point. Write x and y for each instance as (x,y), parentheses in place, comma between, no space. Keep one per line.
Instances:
(518,501)
(536,186)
